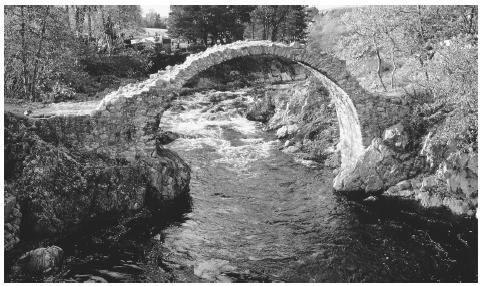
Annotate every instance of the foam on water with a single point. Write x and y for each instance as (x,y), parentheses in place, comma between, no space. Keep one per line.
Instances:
(218,125)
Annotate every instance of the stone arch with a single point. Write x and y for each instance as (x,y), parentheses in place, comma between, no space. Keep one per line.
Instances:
(329,70)
(143,102)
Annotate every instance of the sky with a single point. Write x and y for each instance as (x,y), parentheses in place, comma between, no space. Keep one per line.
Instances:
(163,10)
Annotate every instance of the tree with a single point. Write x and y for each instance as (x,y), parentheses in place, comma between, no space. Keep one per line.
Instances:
(107,25)
(431,52)
(278,23)
(37,49)
(154,20)
(366,37)
(214,22)
(405,36)
(45,45)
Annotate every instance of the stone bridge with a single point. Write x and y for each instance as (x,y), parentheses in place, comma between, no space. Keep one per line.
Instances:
(126,121)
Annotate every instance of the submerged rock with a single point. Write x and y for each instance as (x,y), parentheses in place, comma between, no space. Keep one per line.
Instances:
(96,279)
(262,110)
(211,269)
(167,137)
(370,199)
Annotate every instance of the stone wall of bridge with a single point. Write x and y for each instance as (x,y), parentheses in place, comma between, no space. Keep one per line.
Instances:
(125,128)
(126,121)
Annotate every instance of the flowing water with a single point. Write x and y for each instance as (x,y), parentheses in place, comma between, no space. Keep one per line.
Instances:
(260,215)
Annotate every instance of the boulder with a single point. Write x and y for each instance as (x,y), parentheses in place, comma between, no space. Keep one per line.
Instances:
(286,130)
(261,110)
(9,203)
(460,172)
(12,219)
(169,176)
(166,137)
(42,260)
(395,137)
(380,166)
(365,175)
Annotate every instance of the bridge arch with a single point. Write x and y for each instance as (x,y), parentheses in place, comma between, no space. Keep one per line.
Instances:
(144,101)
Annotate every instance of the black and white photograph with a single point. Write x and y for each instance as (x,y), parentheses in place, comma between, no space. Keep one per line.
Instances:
(241,143)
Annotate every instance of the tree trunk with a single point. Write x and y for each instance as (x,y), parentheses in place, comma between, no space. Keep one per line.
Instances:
(68,17)
(394,66)
(89,22)
(379,70)
(253,29)
(264,29)
(379,66)
(422,41)
(274,33)
(39,51)
(24,54)
(79,20)
(106,28)
(471,21)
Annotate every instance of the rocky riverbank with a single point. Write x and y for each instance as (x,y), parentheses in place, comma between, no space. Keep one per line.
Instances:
(54,190)
(409,168)
(402,164)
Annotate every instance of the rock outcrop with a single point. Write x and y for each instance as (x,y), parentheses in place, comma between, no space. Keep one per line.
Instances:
(382,164)
(60,189)
(389,168)
(13,218)
(451,182)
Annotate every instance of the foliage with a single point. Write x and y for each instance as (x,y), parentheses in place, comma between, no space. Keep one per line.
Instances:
(453,82)
(403,39)
(428,52)
(208,23)
(37,49)
(285,23)
(154,20)
(45,46)
(325,30)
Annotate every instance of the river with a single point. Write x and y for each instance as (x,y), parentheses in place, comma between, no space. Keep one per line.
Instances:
(260,215)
